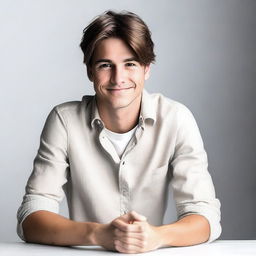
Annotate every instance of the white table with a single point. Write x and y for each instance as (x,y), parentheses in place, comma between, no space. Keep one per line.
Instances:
(217,248)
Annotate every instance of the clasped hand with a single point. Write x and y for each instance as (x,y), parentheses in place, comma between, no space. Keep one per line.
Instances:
(130,233)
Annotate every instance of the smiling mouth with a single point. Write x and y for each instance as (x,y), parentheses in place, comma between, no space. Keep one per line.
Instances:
(119,89)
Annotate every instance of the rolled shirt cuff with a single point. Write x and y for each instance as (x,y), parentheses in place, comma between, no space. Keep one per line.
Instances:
(210,211)
(33,203)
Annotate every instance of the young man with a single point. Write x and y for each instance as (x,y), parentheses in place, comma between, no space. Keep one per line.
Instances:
(115,153)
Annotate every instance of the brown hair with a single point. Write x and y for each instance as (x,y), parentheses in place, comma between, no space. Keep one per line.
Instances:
(124,25)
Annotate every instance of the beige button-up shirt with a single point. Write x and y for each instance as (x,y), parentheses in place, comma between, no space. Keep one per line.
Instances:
(76,157)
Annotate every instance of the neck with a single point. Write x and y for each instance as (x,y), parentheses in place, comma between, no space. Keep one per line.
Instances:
(120,120)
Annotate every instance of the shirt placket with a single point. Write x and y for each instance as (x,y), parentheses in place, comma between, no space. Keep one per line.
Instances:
(122,172)
(124,188)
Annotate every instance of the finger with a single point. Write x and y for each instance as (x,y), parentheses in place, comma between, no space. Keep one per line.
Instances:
(137,226)
(131,217)
(137,217)
(126,217)
(126,248)
(118,223)
(126,235)
(131,241)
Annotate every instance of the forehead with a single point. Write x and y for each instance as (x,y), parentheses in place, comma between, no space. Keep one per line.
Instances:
(113,49)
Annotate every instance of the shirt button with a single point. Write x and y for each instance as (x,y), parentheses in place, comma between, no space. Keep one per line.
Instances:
(125,191)
(123,163)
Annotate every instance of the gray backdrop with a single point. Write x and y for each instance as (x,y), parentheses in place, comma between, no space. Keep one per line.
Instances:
(206,58)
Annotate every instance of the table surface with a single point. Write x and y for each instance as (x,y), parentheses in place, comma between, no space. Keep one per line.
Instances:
(217,248)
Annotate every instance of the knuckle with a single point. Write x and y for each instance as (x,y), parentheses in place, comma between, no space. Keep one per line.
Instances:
(127,240)
(116,231)
(126,246)
(116,245)
(112,223)
(132,212)
(128,228)
(144,235)
(119,249)
(141,229)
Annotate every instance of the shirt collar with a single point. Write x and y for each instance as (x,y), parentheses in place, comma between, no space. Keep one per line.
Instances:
(95,116)
(147,111)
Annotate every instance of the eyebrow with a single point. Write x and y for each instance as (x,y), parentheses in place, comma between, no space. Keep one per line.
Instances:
(102,60)
(109,61)
(131,59)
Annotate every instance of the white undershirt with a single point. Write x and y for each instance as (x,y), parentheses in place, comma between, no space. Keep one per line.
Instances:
(120,140)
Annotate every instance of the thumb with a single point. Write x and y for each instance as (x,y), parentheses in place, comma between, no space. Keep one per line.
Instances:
(134,216)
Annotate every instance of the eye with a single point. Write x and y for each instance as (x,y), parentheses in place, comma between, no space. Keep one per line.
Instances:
(130,64)
(104,66)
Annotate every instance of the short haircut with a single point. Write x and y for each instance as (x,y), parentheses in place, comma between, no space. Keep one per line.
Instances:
(124,25)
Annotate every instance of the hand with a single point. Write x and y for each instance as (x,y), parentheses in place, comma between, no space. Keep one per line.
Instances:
(133,234)
(105,234)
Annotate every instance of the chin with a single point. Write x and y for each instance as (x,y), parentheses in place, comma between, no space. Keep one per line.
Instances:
(121,104)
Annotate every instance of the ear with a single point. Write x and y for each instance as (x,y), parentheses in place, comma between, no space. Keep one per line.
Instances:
(147,72)
(89,73)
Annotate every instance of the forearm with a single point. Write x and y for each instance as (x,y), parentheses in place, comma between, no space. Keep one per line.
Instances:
(50,228)
(190,230)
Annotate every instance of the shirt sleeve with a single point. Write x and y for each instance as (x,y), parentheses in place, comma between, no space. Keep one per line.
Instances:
(44,189)
(192,184)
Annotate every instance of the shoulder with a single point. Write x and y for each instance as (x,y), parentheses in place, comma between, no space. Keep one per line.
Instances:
(72,107)
(71,112)
(165,106)
(173,115)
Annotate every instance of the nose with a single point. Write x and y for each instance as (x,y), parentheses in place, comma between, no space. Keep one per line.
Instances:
(118,76)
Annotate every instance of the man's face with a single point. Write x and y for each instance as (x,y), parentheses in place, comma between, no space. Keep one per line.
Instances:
(117,76)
